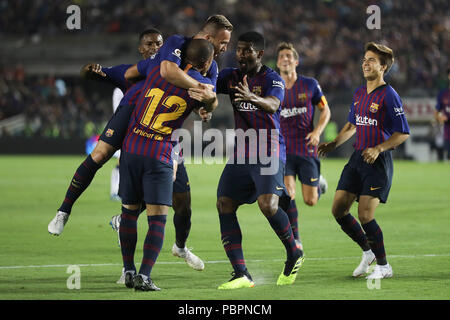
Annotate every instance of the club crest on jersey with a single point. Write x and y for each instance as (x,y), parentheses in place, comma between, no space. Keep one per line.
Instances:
(257,90)
(109,133)
(373,107)
(301,96)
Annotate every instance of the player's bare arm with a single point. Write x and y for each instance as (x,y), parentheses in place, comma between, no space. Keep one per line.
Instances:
(92,71)
(269,104)
(371,154)
(346,133)
(313,137)
(205,94)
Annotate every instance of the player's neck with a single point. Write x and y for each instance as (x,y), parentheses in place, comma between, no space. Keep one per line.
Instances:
(254,71)
(373,84)
(289,78)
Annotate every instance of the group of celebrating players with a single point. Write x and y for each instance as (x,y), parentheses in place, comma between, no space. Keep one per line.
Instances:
(178,76)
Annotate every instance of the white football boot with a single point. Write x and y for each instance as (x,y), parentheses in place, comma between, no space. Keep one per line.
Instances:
(381,272)
(56,226)
(191,259)
(323,184)
(368,257)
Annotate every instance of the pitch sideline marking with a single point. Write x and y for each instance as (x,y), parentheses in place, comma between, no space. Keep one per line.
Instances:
(217,261)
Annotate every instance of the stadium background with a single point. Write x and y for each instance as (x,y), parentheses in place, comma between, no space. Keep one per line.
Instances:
(43,102)
(46,109)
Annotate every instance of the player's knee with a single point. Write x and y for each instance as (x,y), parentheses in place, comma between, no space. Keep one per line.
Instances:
(310,201)
(268,208)
(102,153)
(224,205)
(338,210)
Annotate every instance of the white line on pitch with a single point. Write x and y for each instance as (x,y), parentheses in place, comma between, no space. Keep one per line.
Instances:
(220,261)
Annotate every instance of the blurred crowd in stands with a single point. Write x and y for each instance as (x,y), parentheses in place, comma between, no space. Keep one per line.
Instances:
(329,36)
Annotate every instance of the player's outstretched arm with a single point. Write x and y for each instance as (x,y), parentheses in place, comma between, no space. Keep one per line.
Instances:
(346,133)
(92,71)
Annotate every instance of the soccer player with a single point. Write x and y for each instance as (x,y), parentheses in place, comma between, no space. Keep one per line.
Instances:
(256,92)
(442,114)
(112,136)
(376,116)
(302,95)
(146,160)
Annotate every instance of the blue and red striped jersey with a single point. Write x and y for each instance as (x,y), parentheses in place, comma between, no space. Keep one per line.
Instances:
(297,115)
(160,109)
(247,116)
(376,115)
(443,105)
(173,50)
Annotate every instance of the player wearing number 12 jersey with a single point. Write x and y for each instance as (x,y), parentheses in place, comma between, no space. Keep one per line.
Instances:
(146,159)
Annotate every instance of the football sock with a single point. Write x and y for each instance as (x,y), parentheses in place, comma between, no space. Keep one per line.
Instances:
(280,224)
(232,240)
(153,243)
(128,237)
(182,223)
(80,181)
(292,213)
(375,239)
(353,229)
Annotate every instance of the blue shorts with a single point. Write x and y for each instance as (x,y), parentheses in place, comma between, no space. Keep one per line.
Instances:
(116,128)
(244,183)
(307,169)
(181,184)
(145,178)
(363,179)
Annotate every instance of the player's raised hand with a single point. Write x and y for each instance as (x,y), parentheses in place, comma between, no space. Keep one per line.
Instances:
(203,93)
(243,91)
(96,68)
(326,147)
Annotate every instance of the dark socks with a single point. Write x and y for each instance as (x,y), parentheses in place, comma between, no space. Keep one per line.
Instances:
(375,240)
(80,181)
(353,229)
(232,240)
(153,243)
(280,224)
(182,223)
(128,237)
(292,213)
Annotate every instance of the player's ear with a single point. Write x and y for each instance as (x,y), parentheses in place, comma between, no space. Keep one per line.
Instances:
(260,54)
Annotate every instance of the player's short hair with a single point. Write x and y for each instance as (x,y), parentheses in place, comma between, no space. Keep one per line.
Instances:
(385,54)
(199,51)
(149,31)
(288,46)
(255,38)
(217,22)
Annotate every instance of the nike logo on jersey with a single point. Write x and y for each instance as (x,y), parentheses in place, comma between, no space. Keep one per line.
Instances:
(279,188)
(314,179)
(374,188)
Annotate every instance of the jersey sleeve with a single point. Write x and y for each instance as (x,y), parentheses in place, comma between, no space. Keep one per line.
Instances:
(171,49)
(351,112)
(275,86)
(213,73)
(317,93)
(394,109)
(222,81)
(116,76)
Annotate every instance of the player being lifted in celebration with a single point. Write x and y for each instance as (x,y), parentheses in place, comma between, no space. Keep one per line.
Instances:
(376,116)
(146,160)
(256,92)
(302,95)
(111,139)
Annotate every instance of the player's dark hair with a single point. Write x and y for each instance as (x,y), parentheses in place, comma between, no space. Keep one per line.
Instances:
(255,38)
(288,46)
(198,52)
(149,31)
(385,54)
(217,22)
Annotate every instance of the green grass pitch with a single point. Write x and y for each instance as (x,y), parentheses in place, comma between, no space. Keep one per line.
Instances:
(33,264)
